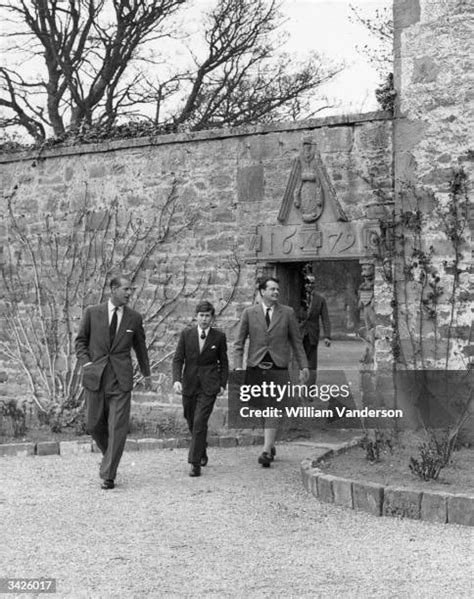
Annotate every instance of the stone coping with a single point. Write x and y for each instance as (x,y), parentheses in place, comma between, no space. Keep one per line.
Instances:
(87,445)
(185,137)
(380,500)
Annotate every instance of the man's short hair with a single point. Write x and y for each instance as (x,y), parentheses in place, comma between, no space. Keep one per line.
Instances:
(263,282)
(117,281)
(205,306)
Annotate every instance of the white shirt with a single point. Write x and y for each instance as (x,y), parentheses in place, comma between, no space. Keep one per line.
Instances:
(119,313)
(270,313)
(202,341)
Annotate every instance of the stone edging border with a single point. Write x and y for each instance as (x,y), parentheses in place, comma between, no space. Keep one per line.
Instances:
(378,500)
(87,445)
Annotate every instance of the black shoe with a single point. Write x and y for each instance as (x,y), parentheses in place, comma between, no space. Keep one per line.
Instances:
(273,453)
(195,470)
(204,460)
(108,484)
(265,459)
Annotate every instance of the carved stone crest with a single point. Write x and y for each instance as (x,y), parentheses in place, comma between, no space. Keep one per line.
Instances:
(309,189)
(309,192)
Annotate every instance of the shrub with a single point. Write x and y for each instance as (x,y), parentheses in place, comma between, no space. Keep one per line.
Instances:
(380,442)
(434,456)
(12,418)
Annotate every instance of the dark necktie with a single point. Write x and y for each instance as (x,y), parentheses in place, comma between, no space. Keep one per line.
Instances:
(203,335)
(267,316)
(113,326)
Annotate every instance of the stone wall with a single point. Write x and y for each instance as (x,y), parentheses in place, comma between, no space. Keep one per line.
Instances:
(227,182)
(433,141)
(229,188)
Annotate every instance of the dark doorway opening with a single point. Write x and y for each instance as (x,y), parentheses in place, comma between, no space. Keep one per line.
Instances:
(336,280)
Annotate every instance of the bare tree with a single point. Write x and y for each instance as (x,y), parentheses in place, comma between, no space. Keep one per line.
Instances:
(91,61)
(379,24)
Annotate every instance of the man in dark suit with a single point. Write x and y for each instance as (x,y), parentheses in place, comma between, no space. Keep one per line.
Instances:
(316,311)
(200,372)
(106,336)
(272,330)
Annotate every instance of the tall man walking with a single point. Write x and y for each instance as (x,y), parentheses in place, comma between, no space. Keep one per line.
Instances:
(316,312)
(200,372)
(272,329)
(106,336)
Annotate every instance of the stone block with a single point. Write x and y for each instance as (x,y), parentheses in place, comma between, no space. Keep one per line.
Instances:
(325,492)
(319,454)
(434,507)
(213,440)
(244,440)
(258,439)
(131,445)
(250,183)
(97,170)
(305,469)
(367,497)
(17,449)
(425,70)
(461,509)
(183,442)
(402,502)
(170,443)
(47,448)
(143,397)
(313,476)
(305,477)
(75,447)
(227,441)
(342,491)
(148,444)
(406,12)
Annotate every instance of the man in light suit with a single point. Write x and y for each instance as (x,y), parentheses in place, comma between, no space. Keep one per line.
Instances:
(200,372)
(106,336)
(316,312)
(272,329)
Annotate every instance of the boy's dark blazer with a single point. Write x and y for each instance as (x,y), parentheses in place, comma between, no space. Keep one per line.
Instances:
(210,367)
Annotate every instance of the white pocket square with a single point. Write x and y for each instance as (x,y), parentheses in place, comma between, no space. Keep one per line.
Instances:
(213,347)
(130,331)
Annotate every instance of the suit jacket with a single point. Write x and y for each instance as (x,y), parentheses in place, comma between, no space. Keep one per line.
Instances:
(318,310)
(276,339)
(93,345)
(209,368)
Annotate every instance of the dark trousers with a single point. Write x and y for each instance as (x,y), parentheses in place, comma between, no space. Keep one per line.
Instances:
(197,409)
(311,351)
(108,415)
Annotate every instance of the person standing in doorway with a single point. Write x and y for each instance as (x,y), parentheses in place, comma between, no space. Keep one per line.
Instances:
(316,312)
(200,372)
(272,331)
(106,336)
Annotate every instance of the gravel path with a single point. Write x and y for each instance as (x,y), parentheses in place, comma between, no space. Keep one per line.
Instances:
(238,531)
